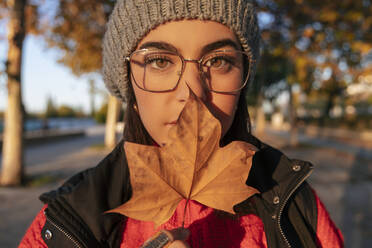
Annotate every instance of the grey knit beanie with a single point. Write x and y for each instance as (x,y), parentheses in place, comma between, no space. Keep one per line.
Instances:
(131,20)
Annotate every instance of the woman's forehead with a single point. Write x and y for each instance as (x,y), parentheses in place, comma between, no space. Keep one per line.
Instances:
(190,35)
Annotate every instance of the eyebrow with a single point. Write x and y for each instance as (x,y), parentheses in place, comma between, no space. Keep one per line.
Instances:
(219,44)
(159,45)
(208,48)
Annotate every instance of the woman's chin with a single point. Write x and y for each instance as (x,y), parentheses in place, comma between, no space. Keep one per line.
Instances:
(161,141)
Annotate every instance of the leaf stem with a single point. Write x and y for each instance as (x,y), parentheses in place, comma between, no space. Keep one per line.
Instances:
(184,212)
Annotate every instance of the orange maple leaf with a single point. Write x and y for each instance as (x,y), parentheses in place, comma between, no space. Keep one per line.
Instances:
(191,166)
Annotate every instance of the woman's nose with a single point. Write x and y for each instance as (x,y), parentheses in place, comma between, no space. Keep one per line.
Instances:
(191,80)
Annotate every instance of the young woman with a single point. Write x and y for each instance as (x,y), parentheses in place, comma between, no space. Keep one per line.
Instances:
(162,57)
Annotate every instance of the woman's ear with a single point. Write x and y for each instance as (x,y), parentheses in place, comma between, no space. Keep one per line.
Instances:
(135,107)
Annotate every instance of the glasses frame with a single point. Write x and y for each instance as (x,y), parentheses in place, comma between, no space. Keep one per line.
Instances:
(200,66)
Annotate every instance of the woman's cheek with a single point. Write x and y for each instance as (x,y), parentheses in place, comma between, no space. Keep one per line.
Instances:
(223,107)
(152,119)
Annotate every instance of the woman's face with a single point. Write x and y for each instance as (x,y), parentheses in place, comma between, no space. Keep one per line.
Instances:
(192,39)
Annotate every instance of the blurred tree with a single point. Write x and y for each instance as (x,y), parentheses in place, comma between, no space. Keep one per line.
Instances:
(101,115)
(113,112)
(12,162)
(271,70)
(92,93)
(320,44)
(22,18)
(51,109)
(66,111)
(77,29)
(334,37)
(79,112)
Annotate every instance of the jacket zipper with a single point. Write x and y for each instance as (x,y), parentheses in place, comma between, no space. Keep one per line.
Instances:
(76,243)
(285,203)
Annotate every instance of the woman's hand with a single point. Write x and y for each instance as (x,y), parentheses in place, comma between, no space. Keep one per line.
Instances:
(174,238)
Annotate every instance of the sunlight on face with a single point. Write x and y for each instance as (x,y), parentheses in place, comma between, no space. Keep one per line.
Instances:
(192,39)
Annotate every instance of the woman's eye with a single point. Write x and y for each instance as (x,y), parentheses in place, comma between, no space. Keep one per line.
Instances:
(217,62)
(161,63)
(158,63)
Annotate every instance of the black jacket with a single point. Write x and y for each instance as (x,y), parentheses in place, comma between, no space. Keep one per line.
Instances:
(76,211)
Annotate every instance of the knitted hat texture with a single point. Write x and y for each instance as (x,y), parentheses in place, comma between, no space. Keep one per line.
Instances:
(131,20)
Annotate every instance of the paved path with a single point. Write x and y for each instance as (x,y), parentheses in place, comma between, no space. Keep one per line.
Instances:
(59,160)
(361,148)
(343,180)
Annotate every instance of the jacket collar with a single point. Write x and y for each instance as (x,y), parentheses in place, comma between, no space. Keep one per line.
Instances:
(89,194)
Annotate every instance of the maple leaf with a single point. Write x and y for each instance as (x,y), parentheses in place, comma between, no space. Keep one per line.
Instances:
(191,166)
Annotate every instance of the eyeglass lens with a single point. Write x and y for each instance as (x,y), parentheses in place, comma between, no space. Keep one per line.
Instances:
(157,70)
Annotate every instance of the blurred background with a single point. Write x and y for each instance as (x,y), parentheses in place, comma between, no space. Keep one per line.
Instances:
(311,98)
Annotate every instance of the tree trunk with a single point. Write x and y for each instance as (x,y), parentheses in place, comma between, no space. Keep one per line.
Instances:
(333,91)
(113,110)
(260,116)
(12,164)
(293,133)
(260,113)
(327,110)
(92,93)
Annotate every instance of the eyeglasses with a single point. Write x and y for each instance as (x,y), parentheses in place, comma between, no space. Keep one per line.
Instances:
(222,71)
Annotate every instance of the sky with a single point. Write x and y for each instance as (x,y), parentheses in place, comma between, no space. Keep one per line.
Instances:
(43,77)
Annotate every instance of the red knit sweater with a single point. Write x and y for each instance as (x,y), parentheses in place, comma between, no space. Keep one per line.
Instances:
(208,229)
